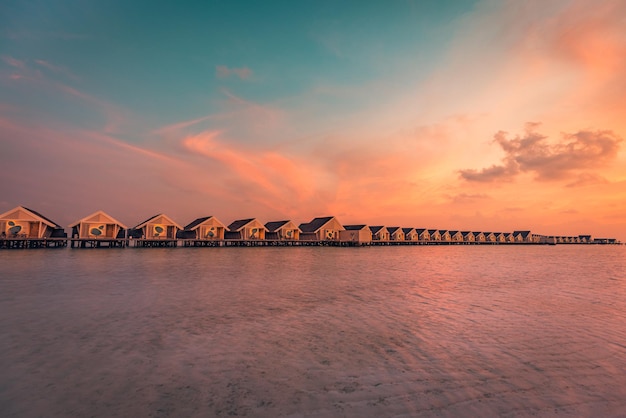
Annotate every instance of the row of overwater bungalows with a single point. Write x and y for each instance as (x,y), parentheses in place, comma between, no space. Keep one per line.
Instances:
(25,228)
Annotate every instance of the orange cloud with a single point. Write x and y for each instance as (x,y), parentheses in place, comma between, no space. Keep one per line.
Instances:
(278,181)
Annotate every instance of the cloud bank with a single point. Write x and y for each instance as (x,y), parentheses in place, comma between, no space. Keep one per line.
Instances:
(573,153)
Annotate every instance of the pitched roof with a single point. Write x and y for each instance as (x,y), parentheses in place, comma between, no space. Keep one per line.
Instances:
(51,222)
(420,230)
(315,224)
(115,221)
(375,229)
(523,233)
(407,230)
(142,224)
(432,231)
(238,224)
(274,226)
(453,232)
(354,227)
(196,222)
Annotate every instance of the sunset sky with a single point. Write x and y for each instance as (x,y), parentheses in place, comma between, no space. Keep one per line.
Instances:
(480,115)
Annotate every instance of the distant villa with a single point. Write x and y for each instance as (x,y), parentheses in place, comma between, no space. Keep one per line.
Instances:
(22,227)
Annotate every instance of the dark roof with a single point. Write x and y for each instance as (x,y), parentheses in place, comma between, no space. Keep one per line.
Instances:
(432,231)
(146,221)
(354,227)
(420,230)
(238,224)
(443,231)
(315,224)
(466,232)
(392,229)
(407,230)
(43,217)
(524,233)
(477,233)
(273,226)
(197,222)
(375,229)
(453,232)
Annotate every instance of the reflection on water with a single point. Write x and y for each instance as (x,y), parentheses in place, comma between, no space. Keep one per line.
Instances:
(396,331)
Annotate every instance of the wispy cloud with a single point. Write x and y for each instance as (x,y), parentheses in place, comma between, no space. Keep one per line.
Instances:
(533,153)
(30,76)
(14,62)
(58,69)
(278,181)
(223,71)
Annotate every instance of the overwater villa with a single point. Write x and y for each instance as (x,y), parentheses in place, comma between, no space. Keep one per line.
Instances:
(445,235)
(434,235)
(246,229)
(422,234)
(98,225)
(379,233)
(158,227)
(356,234)
(456,236)
(395,233)
(499,237)
(282,230)
(522,236)
(21,222)
(410,234)
(321,229)
(479,237)
(206,228)
(489,236)
(468,236)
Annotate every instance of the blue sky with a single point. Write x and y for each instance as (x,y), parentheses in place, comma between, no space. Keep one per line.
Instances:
(159,59)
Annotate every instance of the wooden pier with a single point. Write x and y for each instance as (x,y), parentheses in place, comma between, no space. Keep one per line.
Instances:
(153,243)
(98,243)
(27,243)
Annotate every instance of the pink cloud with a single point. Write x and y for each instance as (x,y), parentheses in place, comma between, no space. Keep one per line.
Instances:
(14,62)
(222,71)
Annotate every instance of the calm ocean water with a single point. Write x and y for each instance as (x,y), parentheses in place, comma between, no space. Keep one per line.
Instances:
(386,331)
